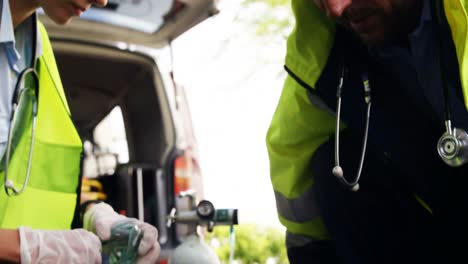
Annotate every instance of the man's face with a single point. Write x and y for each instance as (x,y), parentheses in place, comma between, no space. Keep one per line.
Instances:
(374,21)
(61,11)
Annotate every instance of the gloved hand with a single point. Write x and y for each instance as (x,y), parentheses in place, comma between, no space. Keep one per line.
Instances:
(101,217)
(59,246)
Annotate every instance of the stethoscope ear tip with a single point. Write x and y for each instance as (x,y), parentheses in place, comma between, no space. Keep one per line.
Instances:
(337,171)
(9,184)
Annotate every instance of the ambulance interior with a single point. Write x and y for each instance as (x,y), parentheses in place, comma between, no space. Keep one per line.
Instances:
(122,113)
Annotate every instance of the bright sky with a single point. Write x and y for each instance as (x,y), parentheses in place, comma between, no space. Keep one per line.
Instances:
(233,81)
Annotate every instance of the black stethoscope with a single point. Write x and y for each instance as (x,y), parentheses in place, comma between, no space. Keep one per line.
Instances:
(452,145)
(24,102)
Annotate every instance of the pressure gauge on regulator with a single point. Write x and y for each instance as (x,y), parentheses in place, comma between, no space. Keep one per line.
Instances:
(205,210)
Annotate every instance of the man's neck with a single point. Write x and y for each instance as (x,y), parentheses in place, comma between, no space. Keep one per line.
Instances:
(404,28)
(21,10)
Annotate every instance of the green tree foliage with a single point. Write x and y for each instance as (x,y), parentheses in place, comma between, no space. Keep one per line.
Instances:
(272,3)
(273,16)
(253,244)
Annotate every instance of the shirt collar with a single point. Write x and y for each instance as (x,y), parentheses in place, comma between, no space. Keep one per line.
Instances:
(7,35)
(426,12)
(426,17)
(6,24)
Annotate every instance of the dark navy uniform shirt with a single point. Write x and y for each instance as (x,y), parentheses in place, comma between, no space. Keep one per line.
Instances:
(418,69)
(406,122)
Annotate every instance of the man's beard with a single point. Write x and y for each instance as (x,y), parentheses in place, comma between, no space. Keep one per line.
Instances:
(393,28)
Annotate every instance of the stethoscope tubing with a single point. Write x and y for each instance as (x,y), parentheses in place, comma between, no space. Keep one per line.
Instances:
(8,184)
(455,138)
(337,170)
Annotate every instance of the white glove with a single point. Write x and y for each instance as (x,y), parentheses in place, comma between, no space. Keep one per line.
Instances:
(101,217)
(59,246)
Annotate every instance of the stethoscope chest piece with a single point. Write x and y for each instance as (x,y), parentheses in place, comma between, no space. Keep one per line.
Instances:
(453,147)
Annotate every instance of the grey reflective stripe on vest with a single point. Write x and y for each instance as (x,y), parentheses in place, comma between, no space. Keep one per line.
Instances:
(300,209)
(319,103)
(295,240)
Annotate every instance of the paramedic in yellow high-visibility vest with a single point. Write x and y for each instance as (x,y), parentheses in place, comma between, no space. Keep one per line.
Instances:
(36,221)
(387,184)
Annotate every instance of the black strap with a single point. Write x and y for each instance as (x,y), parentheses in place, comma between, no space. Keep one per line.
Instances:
(1,12)
(441,27)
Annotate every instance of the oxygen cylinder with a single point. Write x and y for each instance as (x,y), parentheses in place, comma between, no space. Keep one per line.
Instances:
(192,251)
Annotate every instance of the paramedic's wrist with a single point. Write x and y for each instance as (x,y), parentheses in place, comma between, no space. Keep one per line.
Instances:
(10,249)
(100,218)
(85,206)
(59,246)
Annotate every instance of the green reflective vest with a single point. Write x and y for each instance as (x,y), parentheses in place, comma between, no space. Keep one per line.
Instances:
(298,127)
(50,197)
